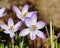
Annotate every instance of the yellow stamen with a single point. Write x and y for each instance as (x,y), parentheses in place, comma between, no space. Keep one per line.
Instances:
(11,28)
(25,14)
(34,27)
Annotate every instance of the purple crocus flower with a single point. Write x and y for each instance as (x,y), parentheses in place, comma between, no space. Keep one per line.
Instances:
(33,27)
(2,10)
(11,28)
(24,13)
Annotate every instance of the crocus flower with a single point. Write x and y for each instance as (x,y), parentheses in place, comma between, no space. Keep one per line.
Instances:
(2,10)
(24,13)
(11,28)
(33,27)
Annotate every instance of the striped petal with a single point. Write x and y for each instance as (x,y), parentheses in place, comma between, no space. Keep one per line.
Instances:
(20,16)
(16,10)
(15,29)
(18,24)
(28,22)
(40,34)
(32,35)
(24,32)
(41,24)
(25,9)
(31,21)
(31,13)
(10,22)
(4,26)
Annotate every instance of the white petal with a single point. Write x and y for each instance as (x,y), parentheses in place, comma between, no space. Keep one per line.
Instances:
(28,22)
(16,10)
(12,34)
(41,24)
(40,34)
(20,16)
(25,9)
(23,19)
(31,21)
(1,15)
(7,32)
(15,29)
(24,32)
(10,22)
(18,24)
(31,13)
(2,10)
(4,26)
(34,19)
(32,35)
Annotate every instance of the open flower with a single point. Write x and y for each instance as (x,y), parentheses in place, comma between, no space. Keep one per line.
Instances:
(11,28)
(24,13)
(2,10)
(34,27)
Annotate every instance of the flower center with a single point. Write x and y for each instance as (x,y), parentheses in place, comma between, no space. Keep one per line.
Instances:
(34,27)
(11,28)
(25,13)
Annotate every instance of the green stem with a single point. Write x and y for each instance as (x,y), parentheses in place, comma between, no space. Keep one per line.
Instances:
(51,35)
(12,41)
(47,31)
(56,44)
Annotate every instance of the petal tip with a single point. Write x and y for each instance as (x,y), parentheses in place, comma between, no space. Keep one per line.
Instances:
(20,34)
(32,39)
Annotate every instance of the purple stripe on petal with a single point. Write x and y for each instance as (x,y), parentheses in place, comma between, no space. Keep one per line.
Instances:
(28,22)
(12,34)
(34,18)
(10,22)
(31,21)
(40,34)
(32,35)
(18,24)
(41,24)
(24,32)
(25,8)
(16,10)
(15,29)
(31,13)
(20,16)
